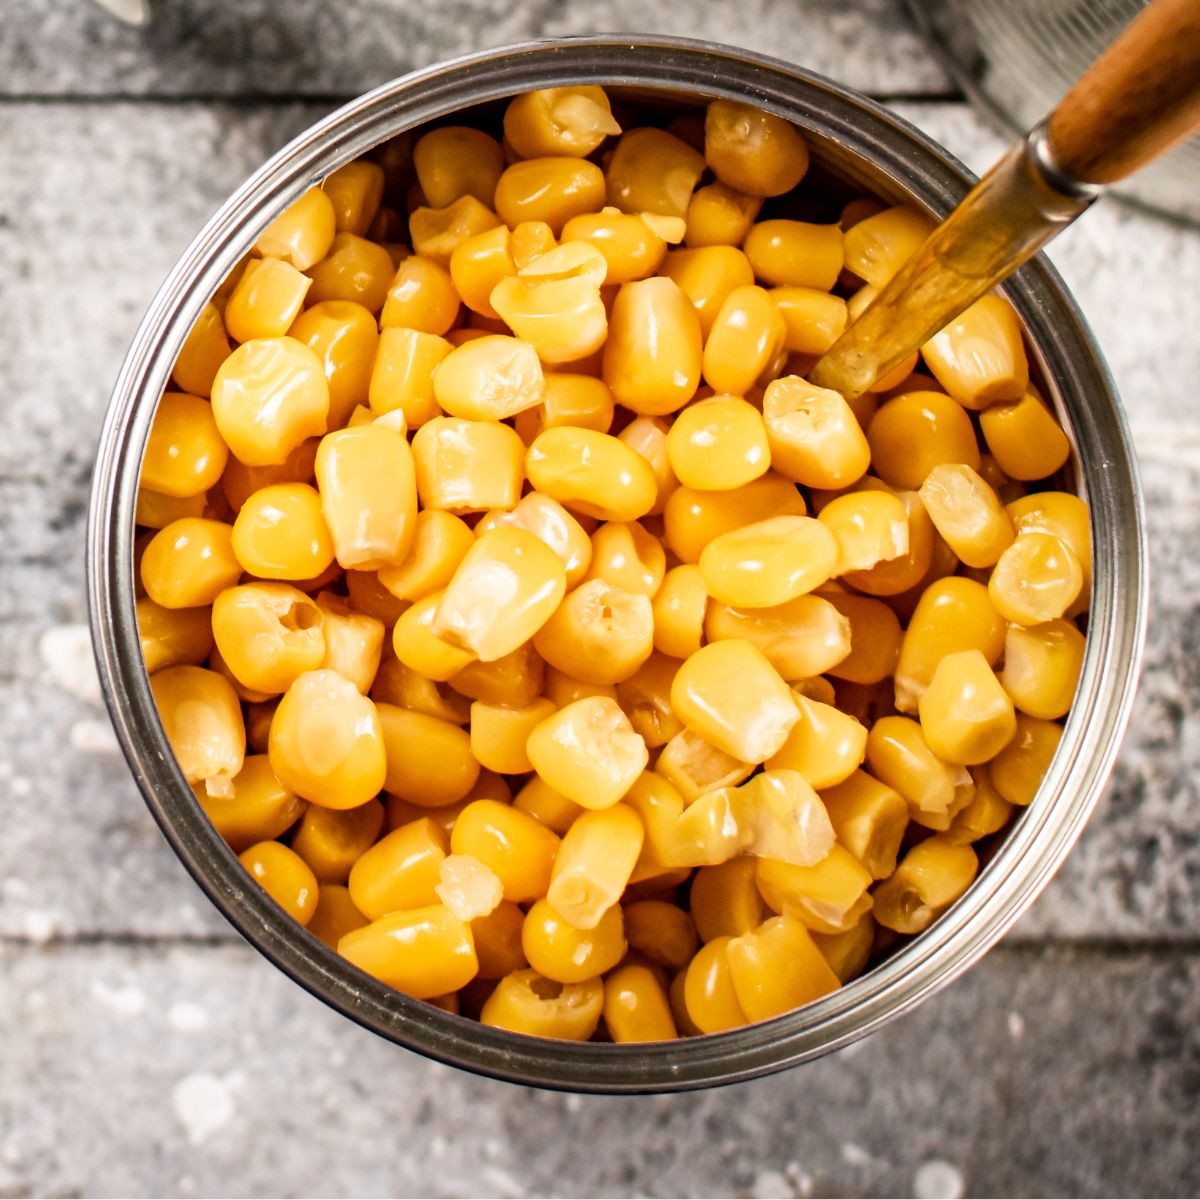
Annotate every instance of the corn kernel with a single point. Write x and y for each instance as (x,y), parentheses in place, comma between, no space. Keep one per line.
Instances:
(203,722)
(302,233)
(875,638)
(529,1003)
(569,399)
(719,215)
(708,993)
(694,767)
(777,967)
(398,684)
(932,876)
(456,161)
(566,953)
(355,191)
(1036,579)
(336,915)
(753,151)
(468,466)
(549,189)
(812,319)
(240,482)
(354,269)
(345,337)
(564,121)
(417,646)
(1017,771)
(284,876)
(563,689)
(498,941)
(869,819)
(499,734)
(825,745)
(987,813)
(967,513)
(189,563)
(870,527)
(770,562)
(185,454)
(979,357)
(203,351)
(1041,667)
(529,240)
(725,900)
(848,953)
(424,952)
(631,249)
(795,253)
(514,681)
(1024,437)
(813,434)
(173,637)
(594,863)
(678,611)
(645,698)
(280,533)
(744,344)
(626,557)
(478,264)
(648,436)
(707,277)
(489,379)
(515,846)
(779,816)
(663,932)
(437,233)
(652,171)
(540,801)
(421,297)
(917,431)
(1066,517)
(268,634)
(899,756)
(878,245)
(430,762)
(332,841)
(718,444)
(400,871)
(266,300)
(257,809)
(692,518)
(636,1008)
(829,897)
(898,575)
(800,638)
(592,473)
(440,543)
(966,716)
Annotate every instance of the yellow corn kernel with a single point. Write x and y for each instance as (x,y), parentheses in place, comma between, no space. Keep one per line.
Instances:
(400,871)
(202,719)
(562,951)
(514,681)
(812,319)
(708,993)
(648,437)
(336,915)
(645,698)
(540,801)
(548,521)
(729,694)
(332,841)
(398,684)
(240,482)
(795,254)
(568,399)
(769,563)
(302,233)
(567,122)
(932,876)
(499,734)
(250,695)
(875,637)
(828,897)
(953,614)
(529,240)
(467,888)
(779,816)
(437,232)
(173,636)
(592,473)
(777,967)
(185,453)
(725,900)
(257,809)
(661,931)
(511,843)
(417,646)
(678,611)
(455,161)
(1036,579)
(813,435)
(489,379)
(1017,771)
(421,297)
(652,358)
(694,767)
(355,191)
(967,513)
(564,689)
(869,819)
(979,357)
(280,533)
(906,572)
(718,444)
(987,813)
(353,641)
(752,150)
(430,762)
(870,527)
(552,190)
(266,300)
(636,1008)
(1066,517)
(203,351)
(189,562)
(719,215)
(825,745)
(1024,437)
(917,431)
(355,270)
(468,466)
(529,1003)
(478,264)
(625,556)
(345,337)
(326,742)
(268,634)
(423,952)
(498,941)
(594,863)
(880,244)
(744,344)
(848,953)
(692,519)
(652,171)
(631,249)
(966,716)
(369,596)
(440,543)
(899,756)
(1041,667)
(707,277)
(284,876)
(804,637)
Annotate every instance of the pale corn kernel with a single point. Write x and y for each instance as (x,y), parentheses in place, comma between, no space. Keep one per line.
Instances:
(707,276)
(489,379)
(345,337)
(967,513)
(1025,439)
(203,351)
(780,816)
(566,121)
(804,637)
(185,454)
(645,698)
(1041,667)
(705,833)
(268,634)
(966,716)
(421,296)
(562,319)
(355,191)
(692,519)
(795,253)
(652,357)
(752,150)
(880,244)
(189,562)
(719,215)
(569,953)
(933,874)
(653,171)
(679,611)
(468,466)
(455,161)
(467,887)
(718,444)
(592,473)
(725,900)
(354,269)
(353,641)
(510,843)
(770,562)
(869,819)
(829,897)
(627,557)
(549,189)
(527,1002)
(1066,517)
(440,542)
(202,719)
(899,755)
(648,436)
(594,863)
(708,995)
(516,679)
(589,752)
(729,694)
(172,637)
(870,527)
(268,396)
(542,802)
(579,400)
(778,967)
(423,952)
(499,734)
(302,233)
(979,357)
(258,807)
(437,233)
(280,533)
(825,745)
(417,646)
(987,813)
(631,249)
(478,264)
(548,521)
(695,767)
(1036,579)
(875,637)
(529,239)
(636,1007)
(813,435)
(894,576)
(326,743)
(266,300)
(916,431)
(744,345)
(1017,771)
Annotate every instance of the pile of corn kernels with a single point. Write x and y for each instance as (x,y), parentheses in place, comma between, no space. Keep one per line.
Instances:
(539,638)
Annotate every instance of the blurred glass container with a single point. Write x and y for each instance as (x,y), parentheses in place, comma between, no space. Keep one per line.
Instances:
(1016,58)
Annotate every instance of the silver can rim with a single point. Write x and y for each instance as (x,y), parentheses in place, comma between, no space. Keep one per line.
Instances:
(896,155)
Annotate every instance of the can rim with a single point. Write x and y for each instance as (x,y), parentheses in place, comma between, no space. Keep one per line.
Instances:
(894,154)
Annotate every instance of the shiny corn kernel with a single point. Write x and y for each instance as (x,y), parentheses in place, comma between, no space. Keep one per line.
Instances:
(326,742)
(693,519)
(280,533)
(549,189)
(631,249)
(966,716)
(907,572)
(592,473)
(468,466)
(185,453)
(744,344)
(567,953)
(987,813)
(719,215)
(489,379)
(345,337)
(424,952)
(355,269)
(1065,517)
(203,351)
(645,698)
(400,871)
(268,397)
(729,694)
(456,161)
(173,637)
(1036,579)
(718,444)
(870,527)
(529,1003)
(636,1008)
(548,521)
(804,637)
(517,848)
(625,556)
(251,695)
(707,276)
(499,734)
(353,641)
(478,264)
(1025,439)
(564,121)
(875,638)
(332,841)
(869,819)
(498,941)
(967,513)
(417,646)
(1041,667)
(694,767)
(779,816)
(813,435)
(284,876)
(648,436)
(369,596)
(421,297)
(430,762)
(678,611)
(594,863)
(778,967)
(579,400)
(879,245)
(751,150)
(825,745)
(899,756)
(1018,770)
(812,319)
(979,358)
(725,901)
(268,634)
(356,191)
(398,684)
(795,253)
(266,300)
(829,897)
(239,482)
(652,358)
(932,876)
(551,808)
(202,719)
(189,563)
(661,931)
(302,233)
(708,993)
(440,543)
(653,171)
(515,680)
(917,431)
(437,233)
(529,240)
(848,953)
(770,562)
(336,915)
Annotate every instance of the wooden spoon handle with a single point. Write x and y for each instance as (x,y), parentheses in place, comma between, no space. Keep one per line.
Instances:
(1136,100)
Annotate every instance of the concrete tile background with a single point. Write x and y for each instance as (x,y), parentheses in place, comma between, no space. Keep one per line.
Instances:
(144,1050)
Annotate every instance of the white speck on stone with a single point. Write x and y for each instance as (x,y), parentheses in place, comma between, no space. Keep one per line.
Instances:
(802,1181)
(128,1001)
(67,652)
(93,737)
(203,1103)
(498,1182)
(770,1185)
(437,1145)
(937,1180)
(14,889)
(574,1104)
(40,926)
(21,787)
(854,1155)
(186,1017)
(1016,1026)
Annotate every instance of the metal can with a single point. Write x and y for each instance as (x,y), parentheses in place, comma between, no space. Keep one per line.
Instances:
(873,151)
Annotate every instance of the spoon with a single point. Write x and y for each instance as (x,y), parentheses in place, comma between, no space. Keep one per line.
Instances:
(1133,104)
